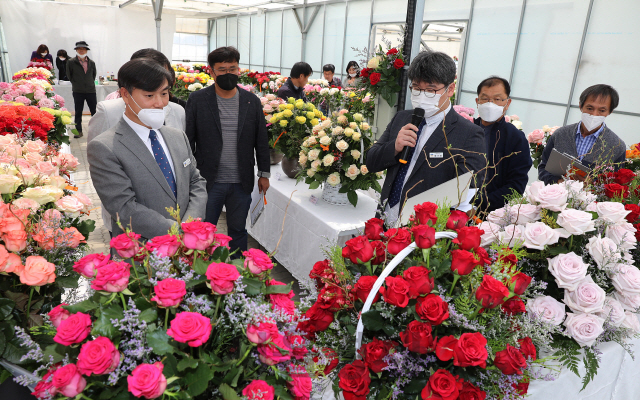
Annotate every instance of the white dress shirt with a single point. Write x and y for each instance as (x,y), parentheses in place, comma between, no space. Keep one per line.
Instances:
(143,133)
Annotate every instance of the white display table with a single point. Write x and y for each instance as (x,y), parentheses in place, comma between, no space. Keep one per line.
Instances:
(102,91)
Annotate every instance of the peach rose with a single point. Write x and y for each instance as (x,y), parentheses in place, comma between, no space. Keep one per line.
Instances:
(70,205)
(37,271)
(46,168)
(34,146)
(72,237)
(26,204)
(57,182)
(15,241)
(33,158)
(84,199)
(9,183)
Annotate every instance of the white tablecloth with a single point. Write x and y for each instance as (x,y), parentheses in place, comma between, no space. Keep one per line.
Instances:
(307,226)
(102,91)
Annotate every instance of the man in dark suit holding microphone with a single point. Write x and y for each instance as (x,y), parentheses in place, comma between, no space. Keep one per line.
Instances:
(449,146)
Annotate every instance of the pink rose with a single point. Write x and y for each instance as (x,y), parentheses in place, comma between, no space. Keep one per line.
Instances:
(26,204)
(631,322)
(68,160)
(46,168)
(88,265)
(536,136)
(258,390)
(169,292)
(73,329)
(297,344)
(191,328)
(112,277)
(623,234)
(198,235)
(584,328)
(283,303)
(626,279)
(261,333)
(256,261)
(70,205)
(547,309)
(222,277)
(34,146)
(126,244)
(588,297)
(521,214)
(58,314)
(147,380)
(511,235)
(611,212)
(537,235)
(270,354)
(165,246)
(68,381)
(84,199)
(98,357)
(630,302)
(568,269)
(613,311)
(300,385)
(552,197)
(491,233)
(604,251)
(576,222)
(222,240)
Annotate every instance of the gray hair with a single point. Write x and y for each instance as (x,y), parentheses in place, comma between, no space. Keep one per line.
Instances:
(432,67)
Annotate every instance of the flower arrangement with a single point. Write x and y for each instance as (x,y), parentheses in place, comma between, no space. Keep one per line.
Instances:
(633,157)
(25,121)
(325,98)
(41,63)
(291,125)
(334,154)
(465,112)
(359,101)
(192,69)
(31,93)
(382,74)
(265,82)
(33,73)
(186,83)
(178,320)
(537,142)
(515,120)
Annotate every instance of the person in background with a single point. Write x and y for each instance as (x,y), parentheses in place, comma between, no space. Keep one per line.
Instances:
(81,71)
(226,126)
(42,53)
(328,71)
(141,167)
(353,70)
(589,140)
(294,86)
(507,148)
(61,64)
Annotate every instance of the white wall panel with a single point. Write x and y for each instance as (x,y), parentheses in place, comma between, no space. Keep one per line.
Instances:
(221,32)
(312,51)
(244,38)
(232,31)
(438,10)
(389,11)
(257,39)
(333,36)
(291,40)
(273,38)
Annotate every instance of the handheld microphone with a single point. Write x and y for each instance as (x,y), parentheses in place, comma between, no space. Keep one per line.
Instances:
(416,119)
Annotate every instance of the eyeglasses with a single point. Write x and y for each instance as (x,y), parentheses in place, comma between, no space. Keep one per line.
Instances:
(230,70)
(429,93)
(494,101)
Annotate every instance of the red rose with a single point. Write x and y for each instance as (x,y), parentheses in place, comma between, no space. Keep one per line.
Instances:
(483,255)
(373,353)
(322,271)
(373,228)
(426,212)
(514,306)
(396,292)
(491,292)
(362,288)
(470,350)
(463,262)
(419,281)
(392,51)
(365,72)
(380,251)
(520,282)
(633,216)
(331,356)
(331,298)
(398,63)
(637,226)
(457,219)
(360,250)
(432,308)
(521,388)
(527,348)
(510,361)
(319,320)
(509,259)
(623,176)
(397,240)
(471,392)
(424,236)
(468,237)
(444,348)
(354,381)
(442,386)
(417,337)
(615,190)
(375,78)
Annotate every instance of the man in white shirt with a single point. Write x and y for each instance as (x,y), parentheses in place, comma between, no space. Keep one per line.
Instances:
(141,167)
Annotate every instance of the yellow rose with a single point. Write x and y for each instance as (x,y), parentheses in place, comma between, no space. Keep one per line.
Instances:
(282,107)
(317,113)
(358,117)
(284,123)
(273,120)
(291,100)
(310,107)
(289,106)
(374,62)
(352,94)
(348,132)
(299,106)
(314,122)
(301,120)
(310,114)
(356,136)
(66,120)
(287,113)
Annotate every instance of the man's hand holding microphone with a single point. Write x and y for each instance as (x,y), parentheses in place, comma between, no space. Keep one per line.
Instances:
(408,135)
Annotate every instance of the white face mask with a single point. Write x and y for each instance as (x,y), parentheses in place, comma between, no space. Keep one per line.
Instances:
(591,122)
(353,75)
(62,58)
(81,55)
(490,112)
(428,104)
(152,117)
(43,54)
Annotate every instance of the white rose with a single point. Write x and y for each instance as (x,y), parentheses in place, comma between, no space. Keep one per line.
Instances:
(321,133)
(551,197)
(356,136)
(491,232)
(546,309)
(333,179)
(546,129)
(305,143)
(9,183)
(312,141)
(584,328)
(538,234)
(631,322)
(38,194)
(576,222)
(517,124)
(333,91)
(611,212)
(623,234)
(324,91)
(23,203)
(573,186)
(271,96)
(70,205)
(511,235)
(522,214)
(349,132)
(328,160)
(568,269)
(613,312)
(337,130)
(342,145)
(355,154)
(326,124)
(353,125)
(626,279)
(364,126)
(325,140)
(313,154)
(12,169)
(532,190)
(302,160)
(364,170)
(28,175)
(353,171)
(587,298)
(604,251)
(311,172)
(315,165)
(498,216)
(358,117)
(592,207)
(630,302)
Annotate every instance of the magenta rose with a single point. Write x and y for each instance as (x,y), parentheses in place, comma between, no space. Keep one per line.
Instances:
(87,266)
(68,381)
(261,333)
(283,302)
(169,292)
(256,261)
(258,390)
(270,354)
(221,240)
(73,330)
(126,244)
(191,328)
(112,277)
(165,246)
(222,277)
(300,385)
(198,235)
(98,357)
(147,380)
(58,314)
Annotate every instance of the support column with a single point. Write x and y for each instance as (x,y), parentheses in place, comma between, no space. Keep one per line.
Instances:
(415,16)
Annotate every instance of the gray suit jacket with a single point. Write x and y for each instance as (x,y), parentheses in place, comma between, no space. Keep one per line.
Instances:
(132,187)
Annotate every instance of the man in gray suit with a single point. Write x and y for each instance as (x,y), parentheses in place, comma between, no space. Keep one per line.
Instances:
(141,167)
(448,145)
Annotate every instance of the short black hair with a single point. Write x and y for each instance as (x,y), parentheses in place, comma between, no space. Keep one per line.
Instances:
(603,91)
(300,68)
(432,67)
(329,68)
(493,81)
(144,74)
(354,65)
(42,48)
(158,57)
(62,53)
(223,54)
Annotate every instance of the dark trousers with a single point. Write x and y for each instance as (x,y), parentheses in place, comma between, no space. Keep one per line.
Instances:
(237,203)
(79,99)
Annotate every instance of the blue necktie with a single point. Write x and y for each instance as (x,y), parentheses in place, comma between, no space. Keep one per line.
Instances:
(163,162)
(398,183)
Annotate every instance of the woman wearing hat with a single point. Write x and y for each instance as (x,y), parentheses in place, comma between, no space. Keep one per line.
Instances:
(81,71)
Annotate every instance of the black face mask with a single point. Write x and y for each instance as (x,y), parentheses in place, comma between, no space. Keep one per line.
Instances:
(227,81)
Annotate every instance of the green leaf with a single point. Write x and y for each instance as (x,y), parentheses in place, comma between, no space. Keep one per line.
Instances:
(86,227)
(415,386)
(187,363)
(14,351)
(353,197)
(228,393)
(283,394)
(159,342)
(57,351)
(170,365)
(277,289)
(314,185)
(67,282)
(6,306)
(149,315)
(373,320)
(195,282)
(103,326)
(591,365)
(200,266)
(254,286)
(554,251)
(3,342)
(83,306)
(198,380)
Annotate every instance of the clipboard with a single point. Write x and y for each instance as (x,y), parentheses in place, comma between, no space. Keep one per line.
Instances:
(559,163)
(258,203)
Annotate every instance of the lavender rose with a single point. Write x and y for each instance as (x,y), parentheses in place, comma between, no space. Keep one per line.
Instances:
(587,298)
(547,309)
(568,269)
(584,328)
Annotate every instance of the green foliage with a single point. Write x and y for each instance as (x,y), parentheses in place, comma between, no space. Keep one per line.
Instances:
(591,365)
(567,353)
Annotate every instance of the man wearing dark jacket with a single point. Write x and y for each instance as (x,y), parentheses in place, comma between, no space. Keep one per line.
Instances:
(508,155)
(81,71)
(294,86)
(225,126)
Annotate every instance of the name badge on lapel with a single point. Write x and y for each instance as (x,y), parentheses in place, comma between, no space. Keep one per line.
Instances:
(186,162)
(436,155)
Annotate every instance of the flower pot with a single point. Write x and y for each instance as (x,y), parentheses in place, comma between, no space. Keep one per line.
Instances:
(332,195)
(275,156)
(290,167)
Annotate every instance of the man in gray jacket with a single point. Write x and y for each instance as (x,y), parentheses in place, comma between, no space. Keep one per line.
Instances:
(81,71)
(141,167)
